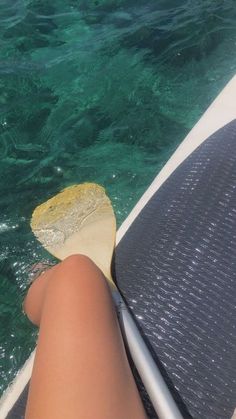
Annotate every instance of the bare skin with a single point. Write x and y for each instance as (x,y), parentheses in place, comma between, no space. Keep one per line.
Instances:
(81,369)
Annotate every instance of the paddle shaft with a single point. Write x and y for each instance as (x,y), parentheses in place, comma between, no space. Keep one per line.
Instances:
(152,379)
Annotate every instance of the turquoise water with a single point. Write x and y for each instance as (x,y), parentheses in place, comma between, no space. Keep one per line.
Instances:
(95,90)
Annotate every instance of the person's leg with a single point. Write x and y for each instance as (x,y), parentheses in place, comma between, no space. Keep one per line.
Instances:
(81,369)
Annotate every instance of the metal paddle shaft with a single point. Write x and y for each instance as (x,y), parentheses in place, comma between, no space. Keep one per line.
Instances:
(80,219)
(152,379)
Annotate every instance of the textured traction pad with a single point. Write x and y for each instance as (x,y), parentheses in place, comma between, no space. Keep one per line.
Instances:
(176,268)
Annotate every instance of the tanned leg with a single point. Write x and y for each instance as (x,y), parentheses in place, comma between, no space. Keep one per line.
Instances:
(81,369)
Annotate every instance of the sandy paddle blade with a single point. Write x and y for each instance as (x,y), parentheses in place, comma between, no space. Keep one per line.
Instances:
(79,219)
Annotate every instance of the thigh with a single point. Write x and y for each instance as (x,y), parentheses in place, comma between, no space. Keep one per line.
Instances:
(81,368)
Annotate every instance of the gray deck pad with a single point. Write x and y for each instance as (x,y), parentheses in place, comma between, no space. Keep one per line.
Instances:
(18,410)
(176,268)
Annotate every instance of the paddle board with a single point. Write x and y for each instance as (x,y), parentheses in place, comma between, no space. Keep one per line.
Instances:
(175,252)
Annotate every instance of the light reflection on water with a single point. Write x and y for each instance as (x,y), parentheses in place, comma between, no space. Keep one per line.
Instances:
(94,91)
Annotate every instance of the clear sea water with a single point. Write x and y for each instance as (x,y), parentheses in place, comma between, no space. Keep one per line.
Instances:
(94,90)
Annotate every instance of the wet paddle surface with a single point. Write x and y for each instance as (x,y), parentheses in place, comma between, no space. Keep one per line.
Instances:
(97,91)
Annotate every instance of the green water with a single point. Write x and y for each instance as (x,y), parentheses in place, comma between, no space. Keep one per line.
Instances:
(94,90)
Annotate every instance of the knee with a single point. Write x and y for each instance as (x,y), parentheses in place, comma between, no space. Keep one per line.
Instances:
(76,262)
(75,275)
(78,267)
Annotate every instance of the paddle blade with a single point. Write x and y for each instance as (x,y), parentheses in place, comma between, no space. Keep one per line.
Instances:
(79,219)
